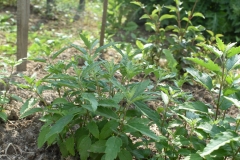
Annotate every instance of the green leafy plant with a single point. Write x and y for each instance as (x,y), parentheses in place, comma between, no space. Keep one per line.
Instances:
(222,81)
(93,112)
(172,42)
(6,79)
(99,110)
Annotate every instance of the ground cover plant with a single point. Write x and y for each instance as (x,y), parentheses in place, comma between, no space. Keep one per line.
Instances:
(133,108)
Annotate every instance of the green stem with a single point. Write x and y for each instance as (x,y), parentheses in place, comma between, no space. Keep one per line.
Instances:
(220,90)
(237,125)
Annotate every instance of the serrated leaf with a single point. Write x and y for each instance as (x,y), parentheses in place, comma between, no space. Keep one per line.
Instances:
(30,112)
(59,125)
(139,44)
(27,105)
(93,128)
(198,14)
(124,155)
(70,145)
(108,129)
(211,129)
(113,146)
(221,46)
(202,78)
(236,102)
(194,107)
(92,99)
(208,64)
(233,51)
(213,49)
(3,116)
(41,137)
(86,41)
(83,147)
(167,16)
(142,129)
(63,149)
(98,146)
(233,62)
(218,141)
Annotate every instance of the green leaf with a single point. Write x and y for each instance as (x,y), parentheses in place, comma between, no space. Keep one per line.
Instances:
(198,14)
(93,128)
(60,101)
(98,146)
(202,78)
(28,104)
(145,16)
(113,146)
(124,155)
(165,98)
(30,112)
(99,49)
(172,63)
(108,129)
(236,102)
(167,16)
(59,125)
(193,156)
(70,145)
(208,64)
(137,90)
(108,103)
(106,112)
(194,107)
(83,147)
(233,62)
(212,49)
(148,112)
(92,99)
(211,129)
(142,129)
(233,51)
(139,44)
(41,137)
(86,41)
(56,54)
(3,116)
(219,140)
(79,49)
(137,3)
(130,26)
(220,44)
(63,149)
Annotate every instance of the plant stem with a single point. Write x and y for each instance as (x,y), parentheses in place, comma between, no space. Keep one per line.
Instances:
(220,90)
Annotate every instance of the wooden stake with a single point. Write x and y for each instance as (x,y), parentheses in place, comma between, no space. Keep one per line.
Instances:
(23,11)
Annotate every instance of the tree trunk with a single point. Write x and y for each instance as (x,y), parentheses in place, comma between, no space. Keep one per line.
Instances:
(50,4)
(81,7)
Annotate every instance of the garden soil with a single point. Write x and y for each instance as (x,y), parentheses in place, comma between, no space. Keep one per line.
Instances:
(18,137)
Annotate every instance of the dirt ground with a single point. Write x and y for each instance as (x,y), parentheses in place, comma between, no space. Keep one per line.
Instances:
(18,137)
